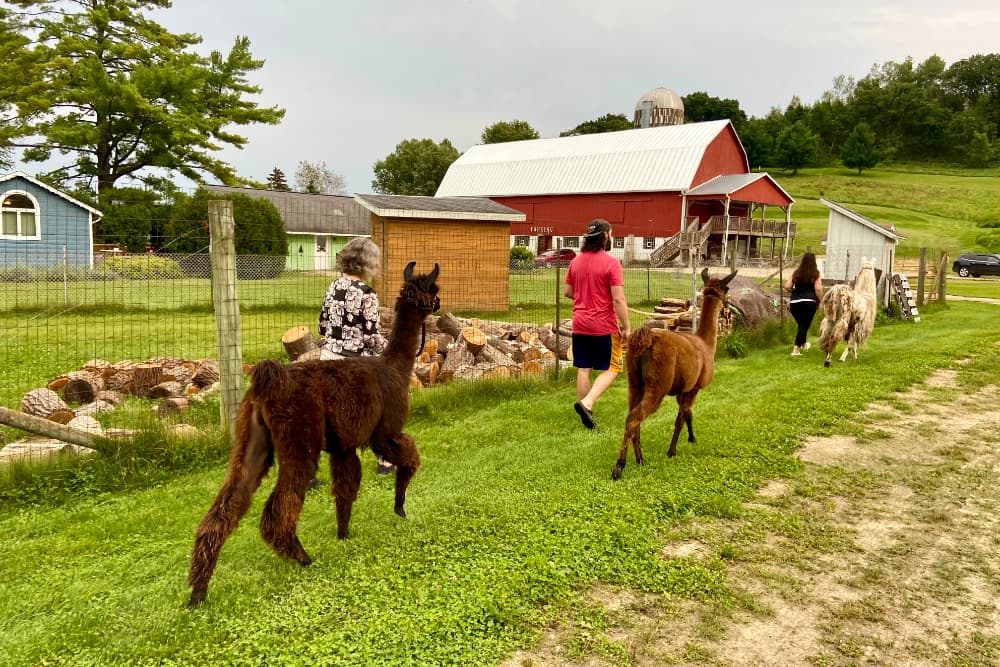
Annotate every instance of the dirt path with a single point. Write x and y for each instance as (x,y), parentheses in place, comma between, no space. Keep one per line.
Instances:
(885,552)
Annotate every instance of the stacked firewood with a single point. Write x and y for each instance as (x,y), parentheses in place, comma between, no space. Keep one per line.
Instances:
(101,386)
(464,348)
(673,313)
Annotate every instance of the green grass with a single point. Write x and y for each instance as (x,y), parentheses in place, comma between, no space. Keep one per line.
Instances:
(512,517)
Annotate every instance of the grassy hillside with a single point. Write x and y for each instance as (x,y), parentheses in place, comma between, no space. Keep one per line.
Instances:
(933,210)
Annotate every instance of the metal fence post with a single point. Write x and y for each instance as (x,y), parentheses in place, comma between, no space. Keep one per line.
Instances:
(227,310)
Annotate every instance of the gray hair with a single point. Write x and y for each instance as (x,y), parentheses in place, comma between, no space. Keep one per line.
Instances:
(360,257)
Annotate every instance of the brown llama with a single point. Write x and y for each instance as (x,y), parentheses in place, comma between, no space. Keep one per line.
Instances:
(849,314)
(664,363)
(293,412)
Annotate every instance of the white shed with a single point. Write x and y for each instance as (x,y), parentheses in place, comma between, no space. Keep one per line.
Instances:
(851,237)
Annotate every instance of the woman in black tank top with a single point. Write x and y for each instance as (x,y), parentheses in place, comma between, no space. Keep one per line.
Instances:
(806,288)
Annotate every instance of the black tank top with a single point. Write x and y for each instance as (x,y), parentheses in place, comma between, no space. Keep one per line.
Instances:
(803,292)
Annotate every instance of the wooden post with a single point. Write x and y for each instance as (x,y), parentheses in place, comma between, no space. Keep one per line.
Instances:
(942,273)
(921,277)
(50,429)
(227,310)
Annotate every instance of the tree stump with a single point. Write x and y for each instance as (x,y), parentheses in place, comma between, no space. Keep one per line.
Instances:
(297,341)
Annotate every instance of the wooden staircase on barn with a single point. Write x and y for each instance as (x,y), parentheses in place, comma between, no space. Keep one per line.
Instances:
(904,295)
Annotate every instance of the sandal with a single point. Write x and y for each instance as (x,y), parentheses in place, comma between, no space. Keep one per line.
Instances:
(586,416)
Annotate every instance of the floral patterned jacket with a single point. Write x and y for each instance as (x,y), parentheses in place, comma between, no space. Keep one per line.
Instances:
(349,319)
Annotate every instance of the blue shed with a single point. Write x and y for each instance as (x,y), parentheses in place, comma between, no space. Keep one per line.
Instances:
(41,226)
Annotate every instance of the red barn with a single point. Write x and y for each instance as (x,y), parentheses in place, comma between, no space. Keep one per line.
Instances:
(664,189)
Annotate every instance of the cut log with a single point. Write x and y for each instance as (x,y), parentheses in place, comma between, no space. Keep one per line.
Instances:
(474,339)
(426,372)
(458,355)
(297,341)
(42,403)
(207,374)
(415,382)
(493,356)
(120,381)
(533,367)
(172,407)
(62,416)
(82,387)
(166,390)
(145,377)
(58,383)
(451,325)
(431,347)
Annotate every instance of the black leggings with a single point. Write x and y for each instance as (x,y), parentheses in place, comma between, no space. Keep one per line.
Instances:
(803,312)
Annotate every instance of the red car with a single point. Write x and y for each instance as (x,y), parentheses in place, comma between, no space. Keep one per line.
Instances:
(550,258)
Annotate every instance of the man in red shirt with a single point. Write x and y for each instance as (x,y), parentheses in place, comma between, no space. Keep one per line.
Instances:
(600,317)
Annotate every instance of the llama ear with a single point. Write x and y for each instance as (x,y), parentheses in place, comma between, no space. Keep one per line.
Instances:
(432,276)
(704,275)
(408,271)
(725,281)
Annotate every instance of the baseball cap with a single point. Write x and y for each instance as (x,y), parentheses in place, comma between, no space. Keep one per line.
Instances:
(597,227)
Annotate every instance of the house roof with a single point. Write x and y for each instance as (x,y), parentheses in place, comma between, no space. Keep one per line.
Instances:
(889,231)
(728,184)
(306,213)
(447,208)
(638,160)
(59,193)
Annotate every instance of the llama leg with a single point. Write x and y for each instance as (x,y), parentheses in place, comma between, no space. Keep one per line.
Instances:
(643,408)
(401,450)
(345,468)
(678,425)
(249,462)
(280,519)
(686,403)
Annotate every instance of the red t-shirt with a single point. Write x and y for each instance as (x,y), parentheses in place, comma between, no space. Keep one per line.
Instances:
(592,275)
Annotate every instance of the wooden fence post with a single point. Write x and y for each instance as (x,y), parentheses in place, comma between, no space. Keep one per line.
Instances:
(227,310)
(921,277)
(942,274)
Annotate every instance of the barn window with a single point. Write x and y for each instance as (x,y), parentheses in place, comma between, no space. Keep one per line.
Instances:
(618,242)
(648,242)
(571,241)
(521,240)
(19,217)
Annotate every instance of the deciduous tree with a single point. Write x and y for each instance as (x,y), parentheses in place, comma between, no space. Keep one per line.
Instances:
(124,97)
(610,122)
(796,147)
(416,167)
(508,130)
(701,106)
(318,179)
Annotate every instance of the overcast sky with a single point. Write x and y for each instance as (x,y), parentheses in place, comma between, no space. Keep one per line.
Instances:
(358,77)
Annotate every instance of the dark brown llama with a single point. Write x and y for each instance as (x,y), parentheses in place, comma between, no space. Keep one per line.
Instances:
(663,363)
(294,412)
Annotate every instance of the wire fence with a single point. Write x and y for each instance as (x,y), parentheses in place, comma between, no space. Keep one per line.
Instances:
(72,310)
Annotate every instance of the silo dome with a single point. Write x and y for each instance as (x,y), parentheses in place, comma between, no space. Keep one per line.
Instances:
(659,106)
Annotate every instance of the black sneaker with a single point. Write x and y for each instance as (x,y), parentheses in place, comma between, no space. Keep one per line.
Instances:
(385,468)
(586,416)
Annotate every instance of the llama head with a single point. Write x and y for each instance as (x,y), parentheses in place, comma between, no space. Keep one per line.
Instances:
(717,287)
(421,290)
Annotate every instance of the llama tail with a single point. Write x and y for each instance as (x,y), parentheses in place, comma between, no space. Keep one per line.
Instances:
(639,341)
(270,379)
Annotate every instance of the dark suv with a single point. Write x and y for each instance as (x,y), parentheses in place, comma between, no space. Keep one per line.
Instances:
(977,264)
(548,258)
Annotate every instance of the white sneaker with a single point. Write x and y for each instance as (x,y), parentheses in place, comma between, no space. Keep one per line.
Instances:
(805,348)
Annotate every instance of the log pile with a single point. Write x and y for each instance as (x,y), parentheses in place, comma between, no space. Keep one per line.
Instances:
(470,349)
(101,386)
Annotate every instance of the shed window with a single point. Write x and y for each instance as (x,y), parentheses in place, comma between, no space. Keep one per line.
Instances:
(618,242)
(571,241)
(19,217)
(521,240)
(648,242)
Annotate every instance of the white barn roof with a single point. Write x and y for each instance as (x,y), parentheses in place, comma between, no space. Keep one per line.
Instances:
(641,160)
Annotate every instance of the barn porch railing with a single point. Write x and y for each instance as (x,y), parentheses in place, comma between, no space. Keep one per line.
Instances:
(698,234)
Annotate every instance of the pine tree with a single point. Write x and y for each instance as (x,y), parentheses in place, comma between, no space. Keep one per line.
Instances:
(860,151)
(276,181)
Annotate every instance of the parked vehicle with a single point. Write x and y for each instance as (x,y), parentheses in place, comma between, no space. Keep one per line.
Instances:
(549,258)
(977,264)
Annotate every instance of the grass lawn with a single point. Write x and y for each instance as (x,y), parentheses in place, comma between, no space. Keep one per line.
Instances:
(513,518)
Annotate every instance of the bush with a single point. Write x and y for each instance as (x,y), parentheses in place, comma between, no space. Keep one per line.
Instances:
(143,267)
(259,228)
(521,258)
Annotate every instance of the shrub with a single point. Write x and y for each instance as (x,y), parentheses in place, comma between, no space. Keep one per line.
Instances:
(143,267)
(521,258)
